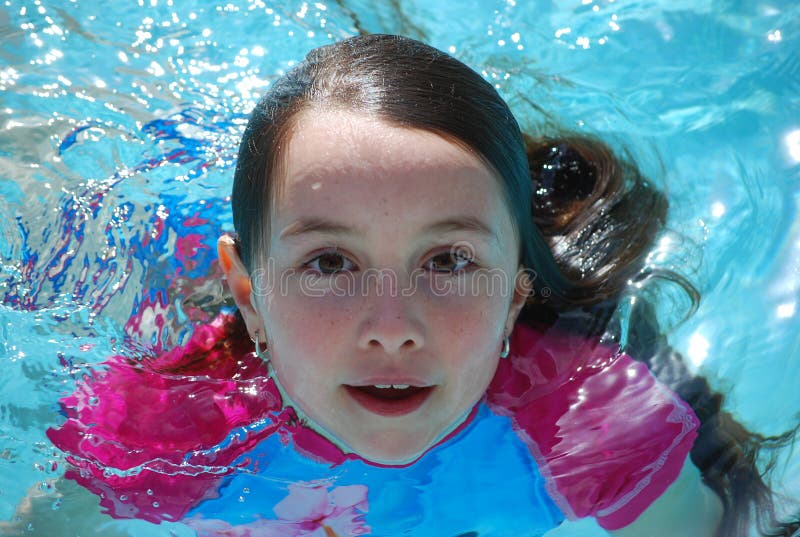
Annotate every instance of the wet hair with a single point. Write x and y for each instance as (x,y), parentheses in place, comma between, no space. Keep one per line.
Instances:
(585,219)
(589,204)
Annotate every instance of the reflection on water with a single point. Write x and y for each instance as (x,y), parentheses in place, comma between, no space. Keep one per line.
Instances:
(119,128)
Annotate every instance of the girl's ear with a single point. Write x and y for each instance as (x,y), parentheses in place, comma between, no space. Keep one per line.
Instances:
(523,285)
(239,283)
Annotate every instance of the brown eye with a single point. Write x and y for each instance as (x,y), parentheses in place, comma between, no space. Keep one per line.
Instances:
(449,262)
(330,263)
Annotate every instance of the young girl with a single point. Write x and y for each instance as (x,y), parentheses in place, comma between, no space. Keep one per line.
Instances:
(410,268)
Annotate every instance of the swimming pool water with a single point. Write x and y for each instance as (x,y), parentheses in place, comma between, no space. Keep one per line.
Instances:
(118,134)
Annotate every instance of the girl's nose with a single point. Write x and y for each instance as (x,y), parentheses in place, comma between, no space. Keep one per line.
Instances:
(391,323)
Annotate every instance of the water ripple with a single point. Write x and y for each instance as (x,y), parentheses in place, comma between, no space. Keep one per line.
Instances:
(119,129)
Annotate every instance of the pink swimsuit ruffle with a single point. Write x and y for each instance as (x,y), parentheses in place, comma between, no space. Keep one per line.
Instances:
(145,435)
(608,437)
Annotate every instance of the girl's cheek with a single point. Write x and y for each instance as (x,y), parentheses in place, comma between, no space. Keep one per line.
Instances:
(308,334)
(477,296)
(313,319)
(465,322)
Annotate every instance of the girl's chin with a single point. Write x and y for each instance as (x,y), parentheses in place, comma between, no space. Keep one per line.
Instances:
(391,454)
(383,446)
(401,446)
(386,447)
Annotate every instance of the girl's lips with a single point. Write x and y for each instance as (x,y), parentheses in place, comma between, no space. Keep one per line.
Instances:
(389,401)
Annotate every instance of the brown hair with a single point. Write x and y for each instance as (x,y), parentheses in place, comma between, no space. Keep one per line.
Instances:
(584,218)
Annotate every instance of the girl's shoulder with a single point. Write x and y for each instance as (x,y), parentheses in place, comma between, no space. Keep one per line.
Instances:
(155,424)
(177,399)
(607,435)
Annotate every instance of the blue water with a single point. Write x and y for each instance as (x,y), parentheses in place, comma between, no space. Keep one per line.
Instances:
(119,124)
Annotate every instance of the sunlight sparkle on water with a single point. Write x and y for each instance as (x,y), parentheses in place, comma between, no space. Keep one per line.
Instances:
(792,141)
(698,349)
(563,31)
(784,311)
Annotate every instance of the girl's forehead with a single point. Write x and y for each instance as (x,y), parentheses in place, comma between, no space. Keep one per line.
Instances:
(349,167)
(327,141)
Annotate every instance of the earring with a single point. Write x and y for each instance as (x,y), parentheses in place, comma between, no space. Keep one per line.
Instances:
(506,348)
(264,355)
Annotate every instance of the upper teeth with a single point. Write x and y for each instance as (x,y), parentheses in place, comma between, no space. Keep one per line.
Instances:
(395,386)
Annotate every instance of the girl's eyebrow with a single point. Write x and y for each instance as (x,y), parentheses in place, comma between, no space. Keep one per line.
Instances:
(314,225)
(462,223)
(327,227)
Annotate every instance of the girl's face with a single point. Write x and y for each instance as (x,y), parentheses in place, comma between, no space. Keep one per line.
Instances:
(389,282)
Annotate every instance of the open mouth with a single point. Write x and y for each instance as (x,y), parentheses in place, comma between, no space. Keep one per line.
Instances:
(390,399)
